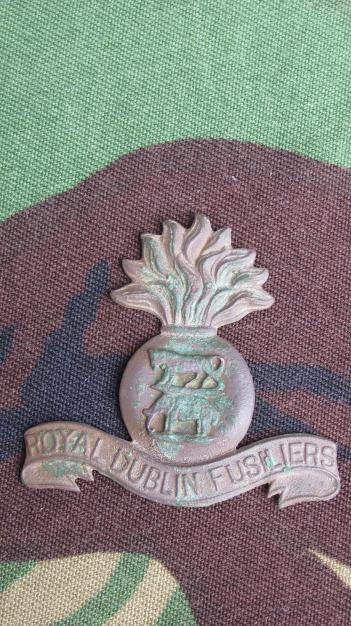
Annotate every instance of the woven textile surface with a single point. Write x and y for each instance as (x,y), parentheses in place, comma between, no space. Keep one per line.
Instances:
(115,116)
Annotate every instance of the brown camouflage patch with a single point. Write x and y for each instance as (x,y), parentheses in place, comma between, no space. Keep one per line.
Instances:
(240,562)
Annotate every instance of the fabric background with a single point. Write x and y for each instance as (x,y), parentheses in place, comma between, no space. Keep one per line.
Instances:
(116,115)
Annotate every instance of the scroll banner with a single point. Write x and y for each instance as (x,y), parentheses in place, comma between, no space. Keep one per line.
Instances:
(297,468)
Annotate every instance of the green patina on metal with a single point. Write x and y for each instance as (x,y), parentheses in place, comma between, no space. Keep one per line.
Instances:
(169,449)
(192,398)
(50,443)
(194,281)
(207,343)
(59,468)
(194,278)
(78,444)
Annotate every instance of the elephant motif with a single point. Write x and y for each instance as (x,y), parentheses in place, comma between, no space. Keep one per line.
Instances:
(192,391)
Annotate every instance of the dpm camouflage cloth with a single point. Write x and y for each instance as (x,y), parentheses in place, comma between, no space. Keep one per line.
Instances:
(116,115)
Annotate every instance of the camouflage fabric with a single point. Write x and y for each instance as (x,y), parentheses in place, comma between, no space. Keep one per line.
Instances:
(117,116)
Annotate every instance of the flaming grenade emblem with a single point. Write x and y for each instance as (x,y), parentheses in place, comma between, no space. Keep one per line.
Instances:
(194,384)
(187,396)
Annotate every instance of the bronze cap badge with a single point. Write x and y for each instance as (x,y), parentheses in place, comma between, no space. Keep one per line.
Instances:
(187,396)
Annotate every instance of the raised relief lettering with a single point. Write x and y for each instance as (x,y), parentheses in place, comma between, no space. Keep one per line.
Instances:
(216,474)
(251,466)
(190,483)
(296,453)
(66,436)
(311,454)
(120,460)
(96,451)
(187,395)
(34,447)
(328,458)
(80,444)
(236,471)
(136,471)
(164,489)
(49,441)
